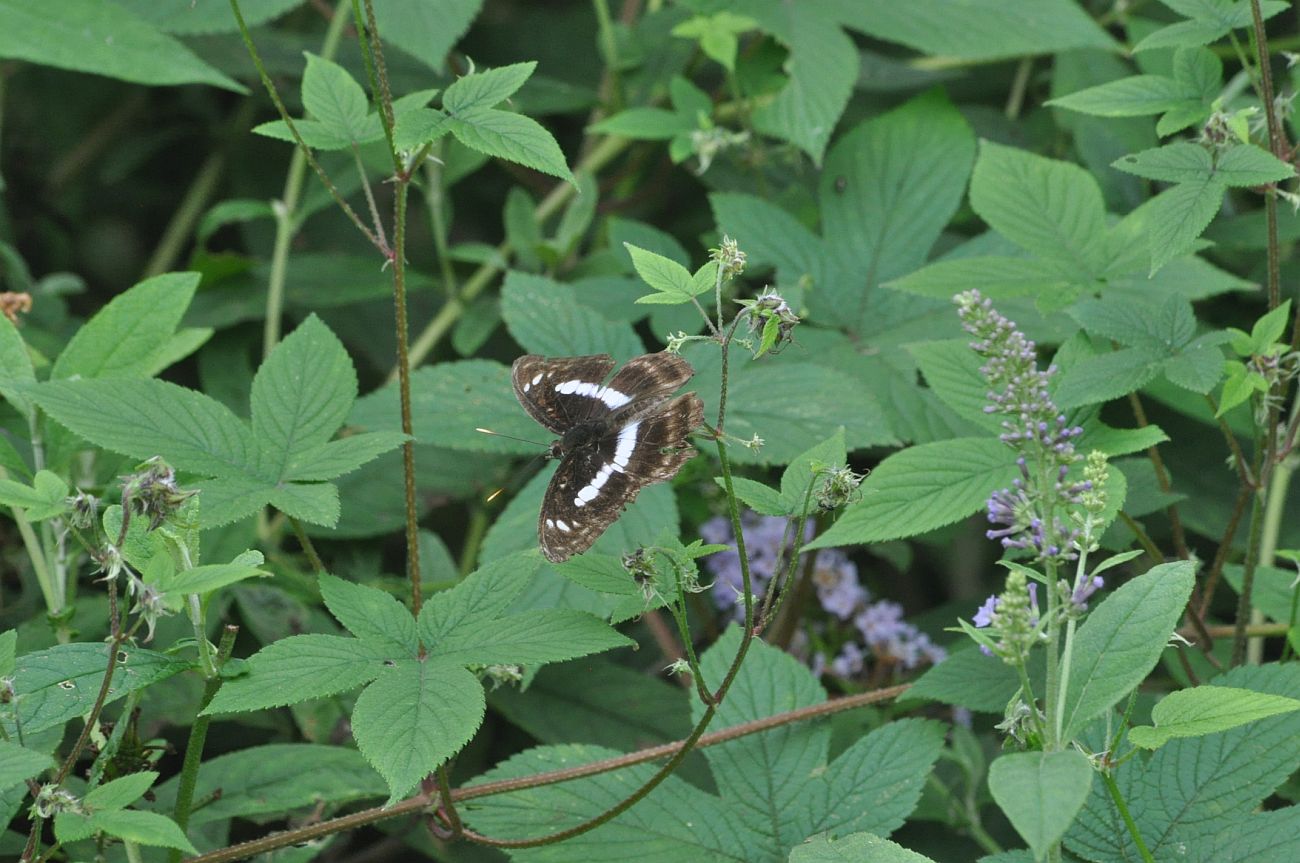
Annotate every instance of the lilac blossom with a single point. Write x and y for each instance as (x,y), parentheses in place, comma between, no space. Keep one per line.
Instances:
(1032,425)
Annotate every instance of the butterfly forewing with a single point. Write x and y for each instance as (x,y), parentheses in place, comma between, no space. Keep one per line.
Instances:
(561,392)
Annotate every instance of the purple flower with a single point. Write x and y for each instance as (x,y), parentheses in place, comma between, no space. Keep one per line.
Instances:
(1079,599)
(984,614)
(837,584)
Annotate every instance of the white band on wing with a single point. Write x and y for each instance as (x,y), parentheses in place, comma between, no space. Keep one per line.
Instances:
(611,398)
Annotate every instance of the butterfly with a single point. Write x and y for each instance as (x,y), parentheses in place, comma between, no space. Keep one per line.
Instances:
(616,437)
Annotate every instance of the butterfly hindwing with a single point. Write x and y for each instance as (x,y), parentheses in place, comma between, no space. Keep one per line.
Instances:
(561,392)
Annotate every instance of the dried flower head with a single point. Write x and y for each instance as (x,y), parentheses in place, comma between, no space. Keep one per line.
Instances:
(152,491)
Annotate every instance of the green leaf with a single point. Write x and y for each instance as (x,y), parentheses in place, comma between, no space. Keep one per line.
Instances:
(1053,209)
(337,102)
(512,137)
(300,667)
(205,579)
(132,825)
(597,701)
(46,498)
(1177,216)
(1121,641)
(486,89)
(534,638)
(1106,376)
(17,763)
(481,597)
(1234,770)
(277,779)
(905,171)
(655,827)
(8,648)
(789,404)
(15,368)
(777,782)
(546,317)
(144,418)
(645,124)
(62,682)
(952,370)
(854,848)
(103,39)
(968,678)
(1041,792)
(772,237)
(1269,329)
(124,338)
(424,31)
(301,395)
(762,499)
(1135,96)
(121,793)
(415,717)
(665,275)
(995,277)
(803,472)
(980,29)
(822,67)
(1205,710)
(371,615)
(483,395)
(338,457)
(1183,162)
(921,488)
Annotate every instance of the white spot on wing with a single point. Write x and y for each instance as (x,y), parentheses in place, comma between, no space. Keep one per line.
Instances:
(563,525)
(611,398)
(537,378)
(527,387)
(550,522)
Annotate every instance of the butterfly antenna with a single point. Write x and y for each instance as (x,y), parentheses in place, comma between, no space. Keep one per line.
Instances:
(514,484)
(510,436)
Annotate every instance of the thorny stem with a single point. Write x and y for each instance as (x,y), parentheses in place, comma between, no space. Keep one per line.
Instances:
(421,802)
(1277,146)
(1238,457)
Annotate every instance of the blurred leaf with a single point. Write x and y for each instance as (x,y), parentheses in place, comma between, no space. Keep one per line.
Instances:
(103,39)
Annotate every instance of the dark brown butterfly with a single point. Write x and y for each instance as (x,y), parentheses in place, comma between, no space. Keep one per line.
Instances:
(616,437)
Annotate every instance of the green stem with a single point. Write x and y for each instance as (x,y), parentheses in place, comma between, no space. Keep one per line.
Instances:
(189,775)
(404,392)
(433,201)
(609,46)
(1274,509)
(308,548)
(286,209)
(474,533)
(1118,800)
(1239,639)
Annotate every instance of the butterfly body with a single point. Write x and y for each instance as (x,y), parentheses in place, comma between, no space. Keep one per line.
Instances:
(615,438)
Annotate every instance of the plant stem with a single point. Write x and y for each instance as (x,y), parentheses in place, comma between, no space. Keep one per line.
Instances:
(189,775)
(1118,800)
(286,209)
(1248,577)
(308,548)
(1162,478)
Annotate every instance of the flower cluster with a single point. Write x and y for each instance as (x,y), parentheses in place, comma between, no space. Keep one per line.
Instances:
(1035,428)
(770,313)
(880,632)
